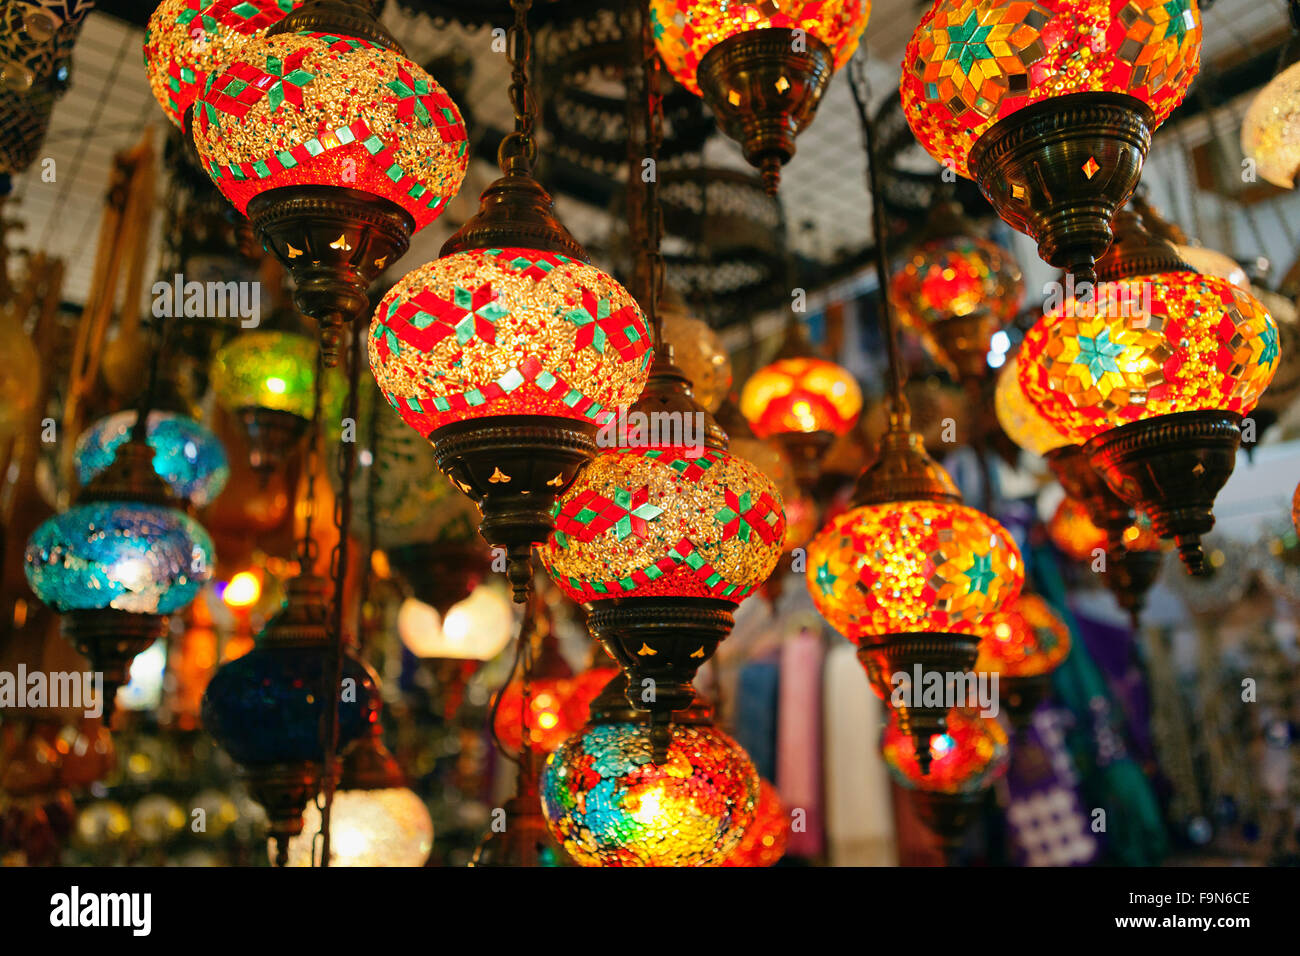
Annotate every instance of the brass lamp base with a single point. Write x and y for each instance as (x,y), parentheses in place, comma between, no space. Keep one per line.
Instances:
(525,839)
(110,639)
(283,790)
(941,653)
(948,816)
(335,242)
(514,467)
(1059,169)
(438,574)
(1172,467)
(1084,484)
(1020,696)
(271,435)
(764,87)
(806,451)
(660,642)
(965,341)
(1129,576)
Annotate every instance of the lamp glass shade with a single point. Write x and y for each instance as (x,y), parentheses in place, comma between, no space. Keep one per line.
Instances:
(971,63)
(801,395)
(608,804)
(477,628)
(664,522)
(912,567)
(558,708)
(969,756)
(271,370)
(127,556)
(1149,346)
(508,332)
(1018,416)
(1270,132)
(185,40)
(311,109)
(955,277)
(1024,639)
(187,455)
(765,839)
(1211,262)
(386,827)
(686,30)
(700,354)
(1074,533)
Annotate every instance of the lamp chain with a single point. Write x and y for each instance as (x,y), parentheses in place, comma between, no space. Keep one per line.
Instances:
(149,397)
(338,573)
(900,414)
(519,145)
(307,551)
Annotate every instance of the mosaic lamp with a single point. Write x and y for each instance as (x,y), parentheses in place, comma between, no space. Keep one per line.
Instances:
(509,351)
(609,801)
(1019,419)
(187,455)
(1049,105)
(762,67)
(1270,131)
(186,40)
(118,562)
(1023,643)
(955,290)
(266,709)
(803,403)
(967,758)
(1152,376)
(376,818)
(337,148)
(765,839)
(910,574)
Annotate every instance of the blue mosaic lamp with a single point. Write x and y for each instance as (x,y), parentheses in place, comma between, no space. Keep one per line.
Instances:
(188,456)
(118,562)
(265,709)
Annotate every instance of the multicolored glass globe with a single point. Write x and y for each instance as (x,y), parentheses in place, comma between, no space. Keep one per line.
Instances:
(1270,132)
(491,332)
(553,714)
(765,839)
(265,369)
(185,40)
(971,63)
(1024,639)
(386,827)
(608,804)
(1149,346)
(127,556)
(313,109)
(664,522)
(801,395)
(912,567)
(954,293)
(967,758)
(700,354)
(1018,417)
(187,455)
(686,30)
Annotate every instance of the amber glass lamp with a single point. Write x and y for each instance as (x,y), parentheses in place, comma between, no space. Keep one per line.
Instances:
(761,66)
(1270,132)
(1050,106)
(1023,643)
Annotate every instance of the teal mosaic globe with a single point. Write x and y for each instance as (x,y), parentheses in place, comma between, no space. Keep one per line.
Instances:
(187,455)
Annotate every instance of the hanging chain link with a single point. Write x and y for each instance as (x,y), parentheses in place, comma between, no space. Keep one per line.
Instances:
(519,52)
(308,552)
(654,138)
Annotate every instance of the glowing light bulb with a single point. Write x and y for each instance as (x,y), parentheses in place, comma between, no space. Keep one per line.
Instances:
(243,590)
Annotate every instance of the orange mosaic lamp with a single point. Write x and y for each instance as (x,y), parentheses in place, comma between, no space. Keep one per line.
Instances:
(337,148)
(1023,643)
(1073,532)
(765,839)
(910,574)
(761,66)
(1154,375)
(947,794)
(1017,415)
(803,403)
(186,40)
(1050,105)
(954,291)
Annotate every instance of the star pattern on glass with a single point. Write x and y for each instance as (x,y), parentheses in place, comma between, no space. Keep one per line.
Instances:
(413,97)
(980,573)
(600,326)
(742,516)
(826,580)
(967,42)
(1098,354)
(425,319)
(1269,352)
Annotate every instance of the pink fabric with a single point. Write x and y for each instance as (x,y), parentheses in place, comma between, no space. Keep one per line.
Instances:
(799,739)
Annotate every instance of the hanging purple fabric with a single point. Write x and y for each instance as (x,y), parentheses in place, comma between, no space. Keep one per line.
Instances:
(799,738)
(1112,647)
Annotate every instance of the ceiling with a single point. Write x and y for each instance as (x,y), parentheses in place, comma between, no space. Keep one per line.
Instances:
(826,204)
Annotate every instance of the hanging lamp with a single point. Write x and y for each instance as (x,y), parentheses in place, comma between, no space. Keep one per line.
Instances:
(509,350)
(1049,106)
(1270,131)
(1023,644)
(187,455)
(762,67)
(336,147)
(909,572)
(1152,378)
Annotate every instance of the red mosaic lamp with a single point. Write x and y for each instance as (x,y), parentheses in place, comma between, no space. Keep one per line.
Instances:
(909,573)
(761,66)
(337,148)
(1023,643)
(186,40)
(1152,378)
(955,290)
(510,350)
(1050,105)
